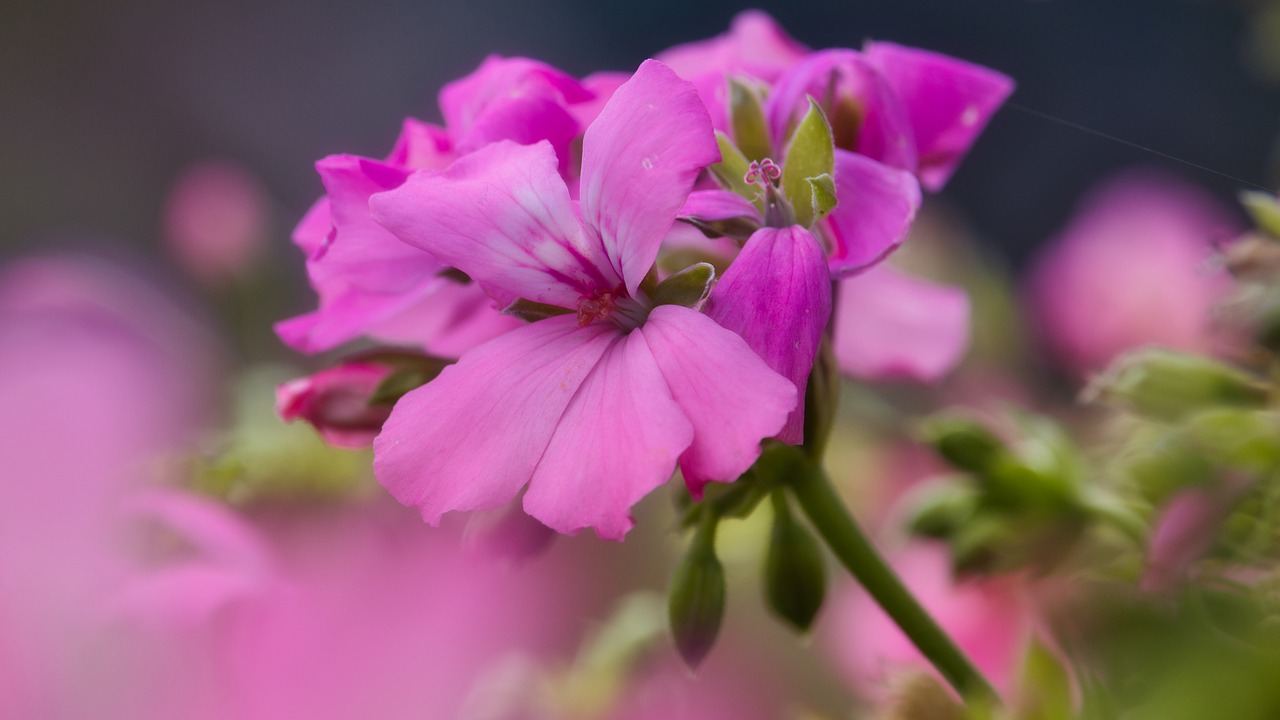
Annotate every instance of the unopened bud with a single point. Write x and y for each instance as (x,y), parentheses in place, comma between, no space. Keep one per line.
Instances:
(942,511)
(695,606)
(795,574)
(336,402)
(964,443)
(1165,385)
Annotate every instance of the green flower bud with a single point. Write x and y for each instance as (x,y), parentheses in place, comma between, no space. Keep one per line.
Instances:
(964,443)
(795,573)
(1164,385)
(942,511)
(695,605)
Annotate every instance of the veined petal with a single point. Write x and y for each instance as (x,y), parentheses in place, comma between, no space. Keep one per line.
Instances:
(875,205)
(639,161)
(730,396)
(893,326)
(471,438)
(947,101)
(777,296)
(718,205)
(618,440)
(502,215)
(866,116)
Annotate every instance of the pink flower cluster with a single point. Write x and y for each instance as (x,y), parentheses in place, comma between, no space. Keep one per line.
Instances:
(546,196)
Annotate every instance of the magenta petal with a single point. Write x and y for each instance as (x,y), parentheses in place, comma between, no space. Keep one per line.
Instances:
(314,231)
(618,440)
(948,102)
(602,86)
(875,207)
(639,161)
(421,146)
(471,438)
(514,99)
(503,216)
(714,205)
(893,326)
(729,394)
(755,45)
(777,296)
(884,130)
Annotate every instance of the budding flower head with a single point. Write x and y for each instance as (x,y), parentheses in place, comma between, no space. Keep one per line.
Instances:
(695,605)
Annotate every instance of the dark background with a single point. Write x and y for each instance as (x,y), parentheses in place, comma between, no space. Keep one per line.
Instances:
(104,102)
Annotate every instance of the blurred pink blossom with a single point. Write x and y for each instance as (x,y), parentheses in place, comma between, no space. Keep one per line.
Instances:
(987,618)
(215,220)
(1132,268)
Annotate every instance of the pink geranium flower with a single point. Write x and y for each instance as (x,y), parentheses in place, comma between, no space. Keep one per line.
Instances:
(594,408)
(372,284)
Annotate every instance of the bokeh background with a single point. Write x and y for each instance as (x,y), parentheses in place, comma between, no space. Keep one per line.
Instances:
(106,102)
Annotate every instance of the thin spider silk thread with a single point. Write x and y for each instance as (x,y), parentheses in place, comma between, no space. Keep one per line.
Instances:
(1129,143)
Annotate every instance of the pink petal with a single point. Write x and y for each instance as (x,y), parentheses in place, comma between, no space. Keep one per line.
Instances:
(618,440)
(639,161)
(777,296)
(729,394)
(717,205)
(890,325)
(875,207)
(884,131)
(602,86)
(336,402)
(948,102)
(471,438)
(421,146)
(502,215)
(314,231)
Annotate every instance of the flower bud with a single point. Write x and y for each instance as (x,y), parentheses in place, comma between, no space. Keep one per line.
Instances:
(795,575)
(964,443)
(695,605)
(1165,385)
(942,511)
(337,403)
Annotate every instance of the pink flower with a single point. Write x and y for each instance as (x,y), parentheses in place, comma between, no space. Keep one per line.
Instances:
(215,220)
(336,401)
(1132,268)
(986,618)
(593,409)
(893,326)
(370,283)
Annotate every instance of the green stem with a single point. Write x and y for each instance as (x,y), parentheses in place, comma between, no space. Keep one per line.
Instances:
(827,513)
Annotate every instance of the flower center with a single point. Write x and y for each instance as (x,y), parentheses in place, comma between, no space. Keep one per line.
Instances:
(765,173)
(614,306)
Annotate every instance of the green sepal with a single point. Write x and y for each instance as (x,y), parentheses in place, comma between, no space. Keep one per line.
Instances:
(689,287)
(822,191)
(398,384)
(731,171)
(746,117)
(531,311)
(739,228)
(810,153)
(795,574)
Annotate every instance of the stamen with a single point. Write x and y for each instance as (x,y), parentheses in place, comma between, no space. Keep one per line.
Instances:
(595,308)
(762,172)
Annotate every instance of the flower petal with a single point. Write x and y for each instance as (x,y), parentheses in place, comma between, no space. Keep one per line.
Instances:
(866,116)
(948,103)
(718,205)
(890,325)
(777,296)
(639,161)
(729,394)
(618,440)
(502,215)
(471,438)
(421,146)
(875,205)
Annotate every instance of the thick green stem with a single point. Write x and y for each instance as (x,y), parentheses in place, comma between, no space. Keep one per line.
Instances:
(826,511)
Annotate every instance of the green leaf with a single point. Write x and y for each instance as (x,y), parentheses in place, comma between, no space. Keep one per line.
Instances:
(531,311)
(811,153)
(689,287)
(1264,208)
(795,574)
(731,171)
(750,130)
(823,191)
